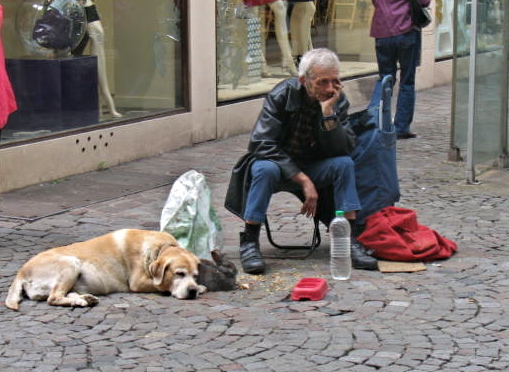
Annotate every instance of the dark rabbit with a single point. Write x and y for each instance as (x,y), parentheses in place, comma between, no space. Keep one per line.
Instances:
(219,275)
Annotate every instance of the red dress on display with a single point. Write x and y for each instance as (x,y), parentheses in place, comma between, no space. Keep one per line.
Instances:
(7,100)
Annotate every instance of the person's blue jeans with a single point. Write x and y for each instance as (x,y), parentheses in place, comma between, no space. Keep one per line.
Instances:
(406,50)
(268,179)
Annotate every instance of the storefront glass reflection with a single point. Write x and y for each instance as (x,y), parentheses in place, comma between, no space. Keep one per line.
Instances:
(489,79)
(126,66)
(259,41)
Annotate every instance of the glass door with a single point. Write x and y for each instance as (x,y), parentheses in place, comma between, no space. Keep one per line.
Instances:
(480,80)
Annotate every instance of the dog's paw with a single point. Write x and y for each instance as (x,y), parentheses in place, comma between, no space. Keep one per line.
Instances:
(201,289)
(82,300)
(13,305)
(91,300)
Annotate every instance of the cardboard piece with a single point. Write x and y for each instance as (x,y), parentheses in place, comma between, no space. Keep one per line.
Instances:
(400,267)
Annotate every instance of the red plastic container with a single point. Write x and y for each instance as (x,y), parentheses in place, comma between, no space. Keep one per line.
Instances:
(311,289)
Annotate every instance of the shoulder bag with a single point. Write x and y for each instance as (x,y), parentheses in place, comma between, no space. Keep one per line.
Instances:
(421,16)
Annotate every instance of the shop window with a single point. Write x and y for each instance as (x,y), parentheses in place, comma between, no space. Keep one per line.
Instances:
(259,41)
(123,66)
(444,28)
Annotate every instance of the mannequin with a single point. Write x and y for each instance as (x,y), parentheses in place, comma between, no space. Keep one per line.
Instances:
(279,10)
(278,7)
(300,26)
(95,33)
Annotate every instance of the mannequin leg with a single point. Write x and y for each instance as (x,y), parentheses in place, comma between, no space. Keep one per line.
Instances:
(300,27)
(279,9)
(96,33)
(265,70)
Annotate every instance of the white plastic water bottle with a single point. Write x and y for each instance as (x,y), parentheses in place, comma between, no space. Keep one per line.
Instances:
(340,261)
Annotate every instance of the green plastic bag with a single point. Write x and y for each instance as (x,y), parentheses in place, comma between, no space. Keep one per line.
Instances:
(188,215)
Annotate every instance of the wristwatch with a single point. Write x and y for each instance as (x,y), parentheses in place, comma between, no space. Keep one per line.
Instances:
(330,117)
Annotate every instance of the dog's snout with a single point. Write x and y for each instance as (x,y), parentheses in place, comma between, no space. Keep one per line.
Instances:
(192,293)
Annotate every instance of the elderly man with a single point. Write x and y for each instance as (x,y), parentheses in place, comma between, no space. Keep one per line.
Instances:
(299,142)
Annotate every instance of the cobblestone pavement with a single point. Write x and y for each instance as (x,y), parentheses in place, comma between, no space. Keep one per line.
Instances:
(452,317)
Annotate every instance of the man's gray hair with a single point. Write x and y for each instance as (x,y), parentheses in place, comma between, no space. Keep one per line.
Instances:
(321,57)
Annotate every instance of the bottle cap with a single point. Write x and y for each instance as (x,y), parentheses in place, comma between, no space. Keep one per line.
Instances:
(340,213)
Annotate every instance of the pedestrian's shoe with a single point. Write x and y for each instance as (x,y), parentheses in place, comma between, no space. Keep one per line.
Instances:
(361,258)
(250,256)
(406,135)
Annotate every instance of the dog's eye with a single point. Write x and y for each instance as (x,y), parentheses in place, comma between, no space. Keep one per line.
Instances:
(180,274)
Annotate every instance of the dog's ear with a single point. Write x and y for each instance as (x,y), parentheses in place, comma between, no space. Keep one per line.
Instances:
(157,269)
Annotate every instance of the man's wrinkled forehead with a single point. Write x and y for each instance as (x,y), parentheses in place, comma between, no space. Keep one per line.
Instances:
(318,72)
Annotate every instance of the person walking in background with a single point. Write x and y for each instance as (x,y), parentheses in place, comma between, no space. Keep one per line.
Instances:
(397,40)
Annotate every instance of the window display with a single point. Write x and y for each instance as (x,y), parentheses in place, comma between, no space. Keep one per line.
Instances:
(7,100)
(51,28)
(249,28)
(95,34)
(443,28)
(301,18)
(74,64)
(278,8)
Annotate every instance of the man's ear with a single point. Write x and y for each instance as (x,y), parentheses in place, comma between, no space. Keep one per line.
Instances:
(302,80)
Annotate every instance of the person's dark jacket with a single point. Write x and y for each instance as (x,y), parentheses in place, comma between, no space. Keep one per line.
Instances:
(271,135)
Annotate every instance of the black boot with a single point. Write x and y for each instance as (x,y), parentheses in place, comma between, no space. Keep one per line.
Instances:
(361,258)
(250,256)
(356,231)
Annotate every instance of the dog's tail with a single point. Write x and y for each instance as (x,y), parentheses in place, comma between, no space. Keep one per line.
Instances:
(14,295)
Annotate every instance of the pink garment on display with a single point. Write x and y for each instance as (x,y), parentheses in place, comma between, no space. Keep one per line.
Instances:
(7,99)
(257,2)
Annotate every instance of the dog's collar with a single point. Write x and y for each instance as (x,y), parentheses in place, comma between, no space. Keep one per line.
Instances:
(152,254)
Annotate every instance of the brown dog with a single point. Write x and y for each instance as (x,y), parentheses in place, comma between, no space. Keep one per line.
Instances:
(122,261)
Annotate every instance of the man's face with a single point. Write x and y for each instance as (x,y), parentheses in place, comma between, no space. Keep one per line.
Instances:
(321,83)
